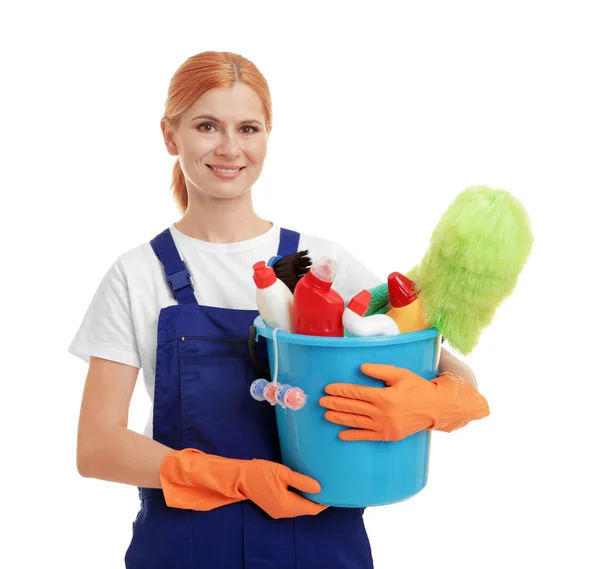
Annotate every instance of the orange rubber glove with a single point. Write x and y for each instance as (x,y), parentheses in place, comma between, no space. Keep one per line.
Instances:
(409,404)
(193,480)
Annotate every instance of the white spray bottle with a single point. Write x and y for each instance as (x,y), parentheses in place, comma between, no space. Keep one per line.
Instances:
(274,299)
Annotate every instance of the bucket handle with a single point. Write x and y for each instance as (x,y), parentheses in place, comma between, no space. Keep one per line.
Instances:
(262,369)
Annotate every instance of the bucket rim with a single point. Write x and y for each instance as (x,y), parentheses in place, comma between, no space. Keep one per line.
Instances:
(262,329)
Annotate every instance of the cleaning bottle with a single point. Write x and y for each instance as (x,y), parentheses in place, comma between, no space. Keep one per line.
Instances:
(318,309)
(407,308)
(357,324)
(274,299)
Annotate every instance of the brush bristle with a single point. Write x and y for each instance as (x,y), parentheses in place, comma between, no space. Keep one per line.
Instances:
(292,268)
(476,253)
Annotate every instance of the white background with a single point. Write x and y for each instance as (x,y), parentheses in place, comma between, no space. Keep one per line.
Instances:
(383,113)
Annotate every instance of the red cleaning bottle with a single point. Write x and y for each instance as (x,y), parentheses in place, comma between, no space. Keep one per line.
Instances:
(318,309)
(406,305)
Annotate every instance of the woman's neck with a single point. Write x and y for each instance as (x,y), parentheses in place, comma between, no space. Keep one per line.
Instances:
(222,220)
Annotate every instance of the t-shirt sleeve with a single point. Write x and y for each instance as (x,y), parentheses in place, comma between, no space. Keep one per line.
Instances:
(352,276)
(107,329)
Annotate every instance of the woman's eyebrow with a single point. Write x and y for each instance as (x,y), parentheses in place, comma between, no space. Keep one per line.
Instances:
(215,119)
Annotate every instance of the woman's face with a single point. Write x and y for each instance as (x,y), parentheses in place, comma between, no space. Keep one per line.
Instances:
(221,142)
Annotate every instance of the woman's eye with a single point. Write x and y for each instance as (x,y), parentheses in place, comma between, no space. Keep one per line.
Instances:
(208,127)
(206,124)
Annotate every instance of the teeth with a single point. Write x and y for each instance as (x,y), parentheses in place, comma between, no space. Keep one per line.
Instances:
(225,171)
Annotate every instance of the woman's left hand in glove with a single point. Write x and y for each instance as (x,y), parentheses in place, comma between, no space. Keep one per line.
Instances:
(407,405)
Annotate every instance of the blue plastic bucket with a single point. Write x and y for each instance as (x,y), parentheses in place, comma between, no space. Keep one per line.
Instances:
(354,474)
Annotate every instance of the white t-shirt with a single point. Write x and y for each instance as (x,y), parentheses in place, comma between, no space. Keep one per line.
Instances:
(121,322)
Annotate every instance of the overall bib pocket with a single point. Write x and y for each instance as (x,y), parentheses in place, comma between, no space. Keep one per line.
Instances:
(215,377)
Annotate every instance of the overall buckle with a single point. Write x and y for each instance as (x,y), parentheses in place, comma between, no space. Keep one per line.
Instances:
(180,280)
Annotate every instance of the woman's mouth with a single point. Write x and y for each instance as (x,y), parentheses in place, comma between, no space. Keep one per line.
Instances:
(225,172)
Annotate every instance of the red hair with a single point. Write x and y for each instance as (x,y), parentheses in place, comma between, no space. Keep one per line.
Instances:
(199,74)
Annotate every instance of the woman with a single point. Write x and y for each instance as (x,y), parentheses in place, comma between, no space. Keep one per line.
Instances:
(213,492)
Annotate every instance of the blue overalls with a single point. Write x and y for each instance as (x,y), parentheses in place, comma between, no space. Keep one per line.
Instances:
(202,400)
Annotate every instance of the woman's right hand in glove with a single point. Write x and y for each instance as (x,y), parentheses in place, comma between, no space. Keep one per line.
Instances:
(194,480)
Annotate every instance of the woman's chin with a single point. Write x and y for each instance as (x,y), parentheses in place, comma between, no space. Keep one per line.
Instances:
(224,193)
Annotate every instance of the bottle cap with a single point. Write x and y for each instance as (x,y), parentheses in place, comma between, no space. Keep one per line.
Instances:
(263,276)
(360,303)
(401,290)
(324,269)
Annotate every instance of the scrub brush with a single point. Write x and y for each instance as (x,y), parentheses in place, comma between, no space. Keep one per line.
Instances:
(292,268)
(475,256)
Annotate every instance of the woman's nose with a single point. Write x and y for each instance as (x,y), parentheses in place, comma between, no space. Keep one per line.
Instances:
(228,146)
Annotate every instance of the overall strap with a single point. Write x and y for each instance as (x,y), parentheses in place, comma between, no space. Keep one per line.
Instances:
(288,242)
(177,275)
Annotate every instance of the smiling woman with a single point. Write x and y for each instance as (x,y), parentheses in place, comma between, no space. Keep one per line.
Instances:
(213,490)
(219,128)
(214,142)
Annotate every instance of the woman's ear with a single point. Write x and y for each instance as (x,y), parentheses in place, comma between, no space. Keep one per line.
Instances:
(169,136)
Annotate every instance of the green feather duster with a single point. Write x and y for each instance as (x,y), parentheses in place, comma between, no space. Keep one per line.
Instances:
(475,256)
